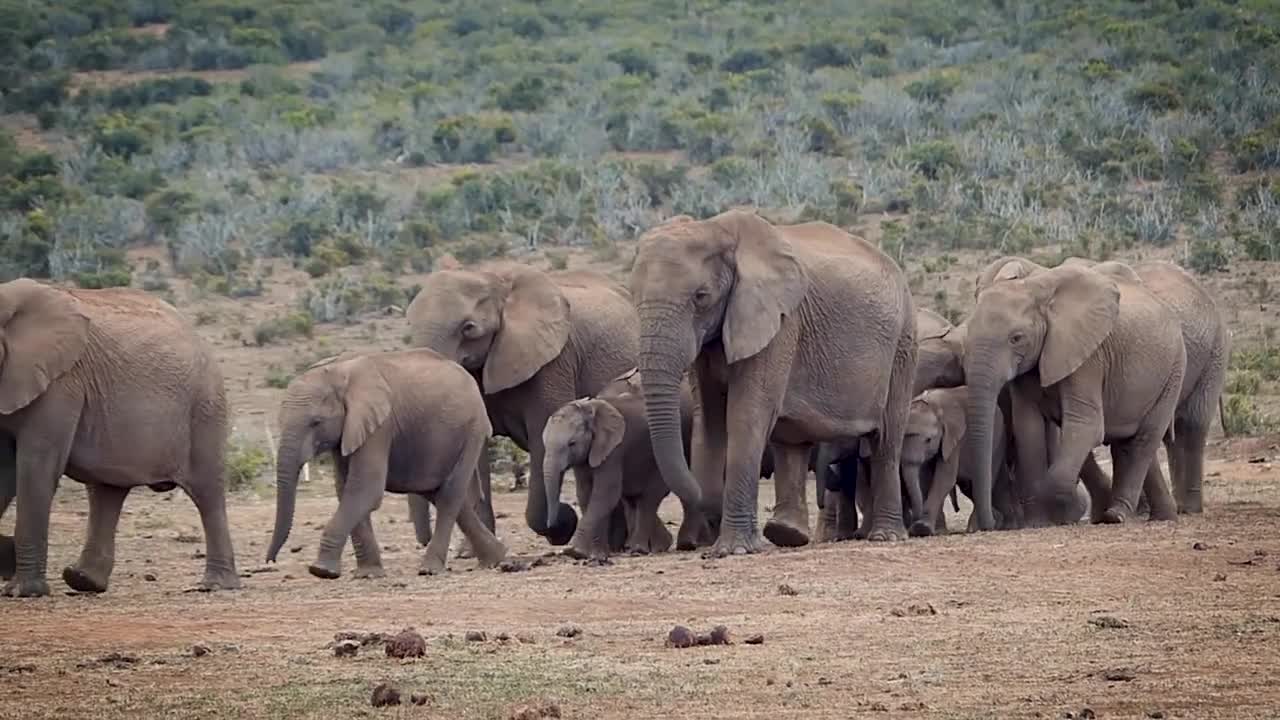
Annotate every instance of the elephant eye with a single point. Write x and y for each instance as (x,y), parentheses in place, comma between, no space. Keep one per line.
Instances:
(1015,338)
(469,328)
(701,295)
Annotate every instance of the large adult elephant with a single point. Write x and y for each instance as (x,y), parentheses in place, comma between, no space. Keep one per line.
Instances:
(114,389)
(1208,345)
(796,334)
(534,341)
(1097,354)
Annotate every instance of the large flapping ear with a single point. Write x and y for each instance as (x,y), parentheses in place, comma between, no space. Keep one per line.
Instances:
(607,430)
(1080,308)
(930,324)
(770,282)
(1009,267)
(1118,271)
(367,397)
(535,328)
(43,332)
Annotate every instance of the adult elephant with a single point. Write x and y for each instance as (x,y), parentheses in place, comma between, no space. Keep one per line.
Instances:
(534,341)
(940,353)
(1099,355)
(114,389)
(777,322)
(1208,345)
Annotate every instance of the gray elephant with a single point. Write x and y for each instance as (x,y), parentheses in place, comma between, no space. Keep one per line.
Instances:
(1208,346)
(935,458)
(408,421)
(534,341)
(774,320)
(114,389)
(605,439)
(1101,357)
(940,352)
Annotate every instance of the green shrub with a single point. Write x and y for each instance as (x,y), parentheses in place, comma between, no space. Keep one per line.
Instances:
(934,88)
(283,328)
(245,464)
(104,278)
(1207,256)
(277,377)
(933,157)
(1157,96)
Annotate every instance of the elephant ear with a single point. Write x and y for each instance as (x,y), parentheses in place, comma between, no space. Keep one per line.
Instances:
(608,428)
(1081,307)
(1006,268)
(367,397)
(770,282)
(1119,271)
(535,328)
(951,412)
(44,333)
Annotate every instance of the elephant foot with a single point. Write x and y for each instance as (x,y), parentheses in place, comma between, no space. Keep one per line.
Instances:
(1185,507)
(83,580)
(741,542)
(465,550)
(492,556)
(1114,516)
(883,534)
(1166,514)
(371,572)
(225,580)
(324,570)
(24,588)
(920,528)
(8,557)
(786,532)
(432,565)
(637,550)
(598,561)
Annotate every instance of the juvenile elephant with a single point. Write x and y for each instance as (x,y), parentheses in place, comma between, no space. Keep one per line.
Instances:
(940,352)
(605,439)
(776,322)
(934,457)
(409,421)
(114,389)
(534,341)
(1208,346)
(1098,355)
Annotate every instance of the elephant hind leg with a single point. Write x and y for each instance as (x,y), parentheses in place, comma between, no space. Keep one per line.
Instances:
(1187,470)
(789,526)
(92,571)
(1159,499)
(8,555)
(208,493)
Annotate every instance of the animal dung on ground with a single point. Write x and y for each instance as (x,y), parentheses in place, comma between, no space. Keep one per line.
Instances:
(199,650)
(681,637)
(384,695)
(1119,675)
(757,639)
(476,636)
(535,712)
(787,591)
(569,631)
(419,698)
(346,648)
(407,644)
(1109,622)
(719,635)
(914,610)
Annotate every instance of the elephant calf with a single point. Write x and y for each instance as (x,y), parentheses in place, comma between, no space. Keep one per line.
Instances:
(935,458)
(408,421)
(605,439)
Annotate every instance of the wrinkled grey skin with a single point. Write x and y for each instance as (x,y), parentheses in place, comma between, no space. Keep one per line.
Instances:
(534,341)
(409,421)
(774,321)
(1208,346)
(605,440)
(115,389)
(1101,357)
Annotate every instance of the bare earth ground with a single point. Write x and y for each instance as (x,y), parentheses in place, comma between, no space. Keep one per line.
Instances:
(1016,631)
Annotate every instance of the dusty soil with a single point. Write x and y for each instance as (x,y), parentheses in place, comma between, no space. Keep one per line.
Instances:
(1181,619)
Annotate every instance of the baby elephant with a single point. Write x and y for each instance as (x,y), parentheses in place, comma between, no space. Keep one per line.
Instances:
(605,439)
(934,457)
(409,421)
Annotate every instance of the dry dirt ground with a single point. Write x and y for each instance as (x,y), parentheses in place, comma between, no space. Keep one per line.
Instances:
(1181,619)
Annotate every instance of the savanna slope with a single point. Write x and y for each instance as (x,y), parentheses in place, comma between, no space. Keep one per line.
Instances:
(286,172)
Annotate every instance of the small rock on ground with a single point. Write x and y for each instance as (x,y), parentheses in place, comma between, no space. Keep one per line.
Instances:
(681,637)
(756,639)
(199,650)
(476,636)
(407,644)
(787,591)
(569,631)
(346,648)
(384,695)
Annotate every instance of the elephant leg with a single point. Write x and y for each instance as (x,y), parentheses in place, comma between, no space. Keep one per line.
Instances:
(1131,460)
(583,486)
(8,490)
(457,493)
(1031,456)
(8,553)
(941,477)
(208,493)
(618,528)
(365,481)
(594,537)
(1099,486)
(1082,431)
(651,534)
(420,515)
(708,450)
(886,524)
(1188,473)
(40,463)
(363,539)
(846,516)
(1159,499)
(861,501)
(482,503)
(92,571)
(789,526)
(488,549)
(660,539)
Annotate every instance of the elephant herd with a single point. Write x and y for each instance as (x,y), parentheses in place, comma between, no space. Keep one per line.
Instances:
(742,349)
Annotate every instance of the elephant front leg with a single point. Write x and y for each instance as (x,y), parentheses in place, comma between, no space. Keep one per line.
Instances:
(789,526)
(365,480)
(363,539)
(593,541)
(752,411)
(40,463)
(482,503)
(707,449)
(650,534)
(1031,454)
(420,515)
(8,553)
(1081,432)
(92,571)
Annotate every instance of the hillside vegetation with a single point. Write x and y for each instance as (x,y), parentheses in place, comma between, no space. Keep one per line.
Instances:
(362,143)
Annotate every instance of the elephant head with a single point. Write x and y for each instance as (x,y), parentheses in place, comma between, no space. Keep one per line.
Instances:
(43,334)
(504,322)
(728,279)
(583,432)
(939,352)
(1048,322)
(335,405)
(935,427)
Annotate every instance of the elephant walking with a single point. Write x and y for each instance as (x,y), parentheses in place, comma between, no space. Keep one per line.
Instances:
(776,321)
(115,389)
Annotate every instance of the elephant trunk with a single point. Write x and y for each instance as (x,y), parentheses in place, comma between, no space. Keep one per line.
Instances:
(289,462)
(915,483)
(662,367)
(553,469)
(984,387)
